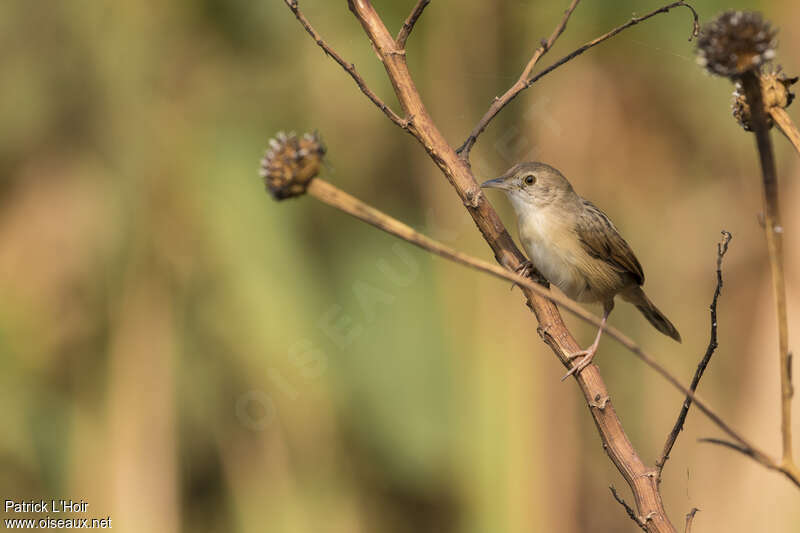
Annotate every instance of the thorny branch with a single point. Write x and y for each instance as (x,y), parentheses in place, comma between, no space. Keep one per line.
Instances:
(722,249)
(525,81)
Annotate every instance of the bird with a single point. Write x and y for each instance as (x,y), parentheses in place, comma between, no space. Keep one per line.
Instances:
(576,247)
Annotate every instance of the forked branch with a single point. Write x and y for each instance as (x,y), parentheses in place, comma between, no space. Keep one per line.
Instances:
(408,25)
(526,80)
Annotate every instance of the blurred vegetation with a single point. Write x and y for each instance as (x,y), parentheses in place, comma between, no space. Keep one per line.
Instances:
(185,354)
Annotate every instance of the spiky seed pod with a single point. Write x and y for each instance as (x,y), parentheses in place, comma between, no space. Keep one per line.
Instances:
(290,163)
(775,88)
(735,42)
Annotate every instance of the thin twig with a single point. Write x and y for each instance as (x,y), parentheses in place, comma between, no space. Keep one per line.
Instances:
(774,234)
(722,248)
(526,82)
(408,25)
(746,450)
(628,509)
(790,471)
(546,45)
(350,68)
(519,86)
(663,372)
(690,520)
(787,127)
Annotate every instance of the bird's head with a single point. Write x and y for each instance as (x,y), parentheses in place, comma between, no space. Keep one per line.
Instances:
(532,184)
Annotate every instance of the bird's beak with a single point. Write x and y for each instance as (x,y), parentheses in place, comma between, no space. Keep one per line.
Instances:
(497,183)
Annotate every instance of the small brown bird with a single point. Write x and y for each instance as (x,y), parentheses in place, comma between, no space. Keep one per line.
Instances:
(575,246)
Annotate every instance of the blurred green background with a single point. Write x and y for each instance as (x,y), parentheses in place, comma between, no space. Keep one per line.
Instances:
(185,354)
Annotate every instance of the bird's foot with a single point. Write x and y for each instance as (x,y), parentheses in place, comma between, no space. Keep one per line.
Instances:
(585,356)
(525,270)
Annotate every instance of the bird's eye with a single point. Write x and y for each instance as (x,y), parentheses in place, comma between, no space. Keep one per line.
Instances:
(530,179)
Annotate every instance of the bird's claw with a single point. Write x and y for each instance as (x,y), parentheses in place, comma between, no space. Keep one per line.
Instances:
(586,359)
(525,269)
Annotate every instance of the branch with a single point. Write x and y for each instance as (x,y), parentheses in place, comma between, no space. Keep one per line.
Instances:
(628,509)
(525,81)
(519,86)
(350,68)
(408,25)
(722,248)
(746,450)
(774,234)
(790,471)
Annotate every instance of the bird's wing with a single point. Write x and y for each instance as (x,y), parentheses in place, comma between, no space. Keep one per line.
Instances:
(601,240)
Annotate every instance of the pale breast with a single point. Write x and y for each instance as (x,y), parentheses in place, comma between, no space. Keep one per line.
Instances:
(553,247)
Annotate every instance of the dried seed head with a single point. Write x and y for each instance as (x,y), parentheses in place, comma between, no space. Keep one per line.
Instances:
(775,88)
(290,163)
(735,42)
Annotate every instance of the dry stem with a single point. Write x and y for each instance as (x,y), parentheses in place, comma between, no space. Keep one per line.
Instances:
(774,234)
(628,509)
(350,68)
(525,81)
(519,86)
(722,248)
(408,25)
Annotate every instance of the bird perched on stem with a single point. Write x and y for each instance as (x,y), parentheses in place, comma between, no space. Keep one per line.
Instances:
(575,247)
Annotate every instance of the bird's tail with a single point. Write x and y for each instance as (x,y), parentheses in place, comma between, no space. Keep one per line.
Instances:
(637,297)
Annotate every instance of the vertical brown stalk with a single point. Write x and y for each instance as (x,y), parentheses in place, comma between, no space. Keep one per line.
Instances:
(773,230)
